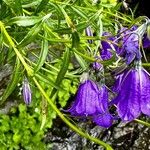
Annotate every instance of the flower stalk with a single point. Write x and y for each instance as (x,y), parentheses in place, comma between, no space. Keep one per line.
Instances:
(73,127)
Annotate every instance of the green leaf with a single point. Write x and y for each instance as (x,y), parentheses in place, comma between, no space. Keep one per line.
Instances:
(30,3)
(17,138)
(13,83)
(63,70)
(43,54)
(24,20)
(41,6)
(15,5)
(44,111)
(31,35)
(46,80)
(75,39)
(81,61)
(79,12)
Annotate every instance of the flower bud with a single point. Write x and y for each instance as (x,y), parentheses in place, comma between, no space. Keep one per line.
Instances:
(26,91)
(88,32)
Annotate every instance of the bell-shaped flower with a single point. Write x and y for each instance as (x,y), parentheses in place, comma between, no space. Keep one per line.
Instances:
(92,101)
(89,100)
(134,95)
(26,91)
(129,44)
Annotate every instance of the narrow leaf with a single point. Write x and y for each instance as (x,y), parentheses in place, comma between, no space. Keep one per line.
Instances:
(81,61)
(41,6)
(31,35)
(62,71)
(24,20)
(13,83)
(75,39)
(43,54)
(44,112)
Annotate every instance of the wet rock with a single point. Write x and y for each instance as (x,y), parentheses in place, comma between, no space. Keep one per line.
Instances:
(121,136)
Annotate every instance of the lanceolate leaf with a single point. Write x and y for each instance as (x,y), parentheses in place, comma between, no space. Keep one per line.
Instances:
(81,61)
(75,39)
(41,6)
(31,35)
(43,54)
(13,82)
(15,5)
(24,20)
(62,71)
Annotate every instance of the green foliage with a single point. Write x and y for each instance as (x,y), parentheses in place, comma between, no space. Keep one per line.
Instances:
(20,129)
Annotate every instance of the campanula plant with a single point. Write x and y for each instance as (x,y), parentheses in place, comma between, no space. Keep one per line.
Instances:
(53,43)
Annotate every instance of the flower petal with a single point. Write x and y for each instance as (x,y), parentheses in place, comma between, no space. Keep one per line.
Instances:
(87,101)
(129,96)
(145,92)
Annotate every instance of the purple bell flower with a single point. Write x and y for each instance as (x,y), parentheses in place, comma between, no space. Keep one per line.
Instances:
(129,47)
(26,92)
(92,100)
(134,95)
(88,101)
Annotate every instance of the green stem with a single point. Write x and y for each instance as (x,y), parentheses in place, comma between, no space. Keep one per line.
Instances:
(146,64)
(12,44)
(76,129)
(142,122)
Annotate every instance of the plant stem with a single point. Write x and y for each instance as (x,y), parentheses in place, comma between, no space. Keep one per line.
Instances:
(73,127)
(142,122)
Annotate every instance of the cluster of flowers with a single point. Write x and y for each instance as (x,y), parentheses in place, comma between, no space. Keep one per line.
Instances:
(132,85)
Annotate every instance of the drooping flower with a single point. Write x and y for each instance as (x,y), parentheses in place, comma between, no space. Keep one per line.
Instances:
(26,91)
(129,44)
(91,100)
(134,95)
(88,101)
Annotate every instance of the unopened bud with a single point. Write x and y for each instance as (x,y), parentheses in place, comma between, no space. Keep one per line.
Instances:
(26,91)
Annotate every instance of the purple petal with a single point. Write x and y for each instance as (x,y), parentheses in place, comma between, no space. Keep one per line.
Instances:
(117,85)
(146,42)
(106,48)
(103,99)
(97,66)
(90,100)
(145,91)
(128,106)
(130,45)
